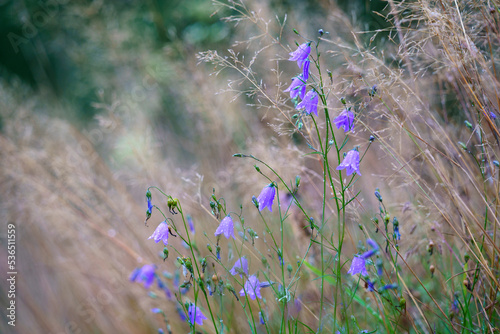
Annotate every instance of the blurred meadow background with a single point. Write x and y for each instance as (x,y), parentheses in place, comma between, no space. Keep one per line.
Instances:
(100,100)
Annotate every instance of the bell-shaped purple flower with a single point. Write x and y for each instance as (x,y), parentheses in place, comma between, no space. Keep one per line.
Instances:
(345,120)
(145,274)
(161,233)
(252,288)
(358,266)
(309,103)
(297,87)
(226,227)
(350,163)
(195,315)
(240,267)
(301,54)
(266,197)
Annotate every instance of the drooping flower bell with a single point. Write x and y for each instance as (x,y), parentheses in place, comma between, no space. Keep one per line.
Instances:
(195,315)
(252,288)
(161,233)
(297,87)
(309,103)
(226,227)
(345,120)
(240,267)
(351,162)
(301,54)
(145,274)
(266,197)
(358,266)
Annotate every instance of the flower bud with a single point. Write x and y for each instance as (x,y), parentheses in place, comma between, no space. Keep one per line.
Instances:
(371,139)
(343,101)
(468,124)
(430,247)
(215,279)
(165,253)
(496,163)
(297,180)
(462,145)
(432,269)
(255,201)
(257,168)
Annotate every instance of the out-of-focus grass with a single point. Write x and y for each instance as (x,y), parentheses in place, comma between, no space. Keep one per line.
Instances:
(111,100)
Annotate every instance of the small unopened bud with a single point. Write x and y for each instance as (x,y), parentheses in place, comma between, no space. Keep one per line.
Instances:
(295,116)
(360,227)
(462,145)
(209,247)
(239,155)
(430,247)
(343,101)
(148,194)
(378,195)
(257,168)
(165,253)
(215,279)
(289,268)
(402,303)
(297,181)
(467,284)
(387,218)
(466,257)
(295,31)
(468,124)
(321,32)
(496,163)
(371,139)
(255,202)
(432,269)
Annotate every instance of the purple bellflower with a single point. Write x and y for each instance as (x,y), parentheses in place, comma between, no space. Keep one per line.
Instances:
(309,103)
(266,197)
(492,115)
(305,70)
(226,227)
(358,266)
(191,224)
(345,120)
(146,274)
(195,315)
(350,163)
(297,87)
(240,267)
(252,288)
(161,233)
(301,54)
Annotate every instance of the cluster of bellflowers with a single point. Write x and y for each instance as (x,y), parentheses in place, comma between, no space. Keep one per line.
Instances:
(361,261)
(307,103)
(148,274)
